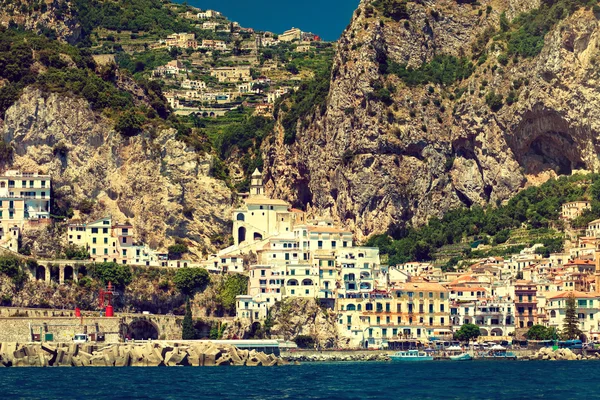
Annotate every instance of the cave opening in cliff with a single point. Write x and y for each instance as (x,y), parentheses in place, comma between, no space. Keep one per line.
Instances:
(544,141)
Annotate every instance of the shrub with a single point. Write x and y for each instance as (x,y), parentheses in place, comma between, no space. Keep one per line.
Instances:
(442,69)
(10,265)
(494,101)
(129,124)
(305,341)
(73,252)
(177,250)
(190,280)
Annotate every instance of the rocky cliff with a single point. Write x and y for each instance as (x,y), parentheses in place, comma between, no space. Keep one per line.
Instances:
(152,180)
(375,165)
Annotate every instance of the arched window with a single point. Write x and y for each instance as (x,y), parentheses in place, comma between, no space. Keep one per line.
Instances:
(552,314)
(241,234)
(351,307)
(241,217)
(359,307)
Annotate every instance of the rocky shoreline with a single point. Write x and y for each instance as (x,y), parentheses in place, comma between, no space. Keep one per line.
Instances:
(152,354)
(547,353)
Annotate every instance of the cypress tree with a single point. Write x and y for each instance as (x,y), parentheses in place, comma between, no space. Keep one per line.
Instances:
(571,324)
(188,331)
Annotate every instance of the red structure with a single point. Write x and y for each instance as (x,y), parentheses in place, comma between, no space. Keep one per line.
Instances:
(106,297)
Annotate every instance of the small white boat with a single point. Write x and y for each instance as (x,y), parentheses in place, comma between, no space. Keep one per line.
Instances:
(457,354)
(411,355)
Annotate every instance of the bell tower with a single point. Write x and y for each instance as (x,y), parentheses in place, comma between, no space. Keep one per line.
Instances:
(256,184)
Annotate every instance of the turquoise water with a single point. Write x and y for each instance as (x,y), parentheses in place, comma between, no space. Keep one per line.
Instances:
(427,380)
(324,18)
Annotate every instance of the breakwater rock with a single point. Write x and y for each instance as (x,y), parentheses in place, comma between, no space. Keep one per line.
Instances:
(299,357)
(547,353)
(152,354)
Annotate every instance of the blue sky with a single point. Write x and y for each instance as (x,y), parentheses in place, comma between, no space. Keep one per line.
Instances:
(326,18)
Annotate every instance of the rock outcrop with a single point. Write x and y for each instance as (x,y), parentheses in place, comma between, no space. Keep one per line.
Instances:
(152,180)
(547,353)
(203,354)
(377,165)
(297,316)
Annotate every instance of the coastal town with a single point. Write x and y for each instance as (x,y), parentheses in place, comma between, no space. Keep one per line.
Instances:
(286,253)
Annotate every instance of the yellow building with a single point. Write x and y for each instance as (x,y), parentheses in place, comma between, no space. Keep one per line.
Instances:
(574,209)
(104,241)
(412,310)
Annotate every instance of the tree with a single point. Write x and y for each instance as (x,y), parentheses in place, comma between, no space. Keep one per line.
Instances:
(467,332)
(117,274)
(190,280)
(188,332)
(540,332)
(571,323)
(233,286)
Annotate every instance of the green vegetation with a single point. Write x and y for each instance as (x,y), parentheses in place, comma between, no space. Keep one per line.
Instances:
(144,61)
(190,280)
(177,250)
(233,285)
(132,15)
(494,101)
(297,106)
(535,207)
(530,29)
(73,252)
(394,9)
(305,341)
(119,275)
(442,69)
(188,331)
(571,323)
(467,332)
(541,332)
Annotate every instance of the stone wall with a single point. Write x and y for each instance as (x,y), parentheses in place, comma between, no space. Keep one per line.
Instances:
(22,329)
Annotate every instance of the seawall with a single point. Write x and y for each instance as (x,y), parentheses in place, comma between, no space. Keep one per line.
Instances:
(148,354)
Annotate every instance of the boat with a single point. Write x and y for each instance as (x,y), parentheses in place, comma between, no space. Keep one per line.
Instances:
(457,354)
(411,355)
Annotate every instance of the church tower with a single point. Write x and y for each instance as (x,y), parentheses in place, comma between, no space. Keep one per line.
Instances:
(256,184)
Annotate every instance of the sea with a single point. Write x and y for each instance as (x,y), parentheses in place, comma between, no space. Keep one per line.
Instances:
(327,19)
(365,380)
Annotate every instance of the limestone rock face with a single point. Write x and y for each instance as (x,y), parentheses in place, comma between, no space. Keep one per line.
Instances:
(374,167)
(297,316)
(152,180)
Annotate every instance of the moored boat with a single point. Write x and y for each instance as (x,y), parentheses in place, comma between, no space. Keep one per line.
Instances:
(457,354)
(411,355)
(499,352)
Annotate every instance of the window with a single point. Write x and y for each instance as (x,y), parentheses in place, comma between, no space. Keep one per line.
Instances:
(105,240)
(94,230)
(431,308)
(421,295)
(106,222)
(24,184)
(287,256)
(344,244)
(306,291)
(93,251)
(43,194)
(78,237)
(124,253)
(124,240)
(320,244)
(105,251)
(442,295)
(105,231)
(333,244)
(262,272)
(430,295)
(43,184)
(441,308)
(307,272)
